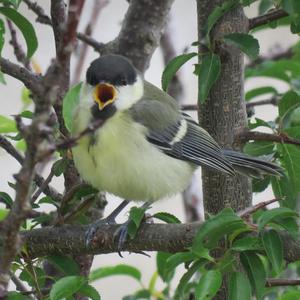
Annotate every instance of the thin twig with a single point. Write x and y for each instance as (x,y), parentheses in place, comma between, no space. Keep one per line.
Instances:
(287,53)
(282,282)
(262,136)
(250,210)
(30,80)
(39,11)
(19,52)
(44,19)
(39,180)
(71,141)
(42,187)
(271,101)
(71,193)
(96,10)
(273,15)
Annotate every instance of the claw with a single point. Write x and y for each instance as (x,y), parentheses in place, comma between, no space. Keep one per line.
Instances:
(109,220)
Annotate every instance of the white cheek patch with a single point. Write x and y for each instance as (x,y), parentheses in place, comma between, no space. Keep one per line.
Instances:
(129,94)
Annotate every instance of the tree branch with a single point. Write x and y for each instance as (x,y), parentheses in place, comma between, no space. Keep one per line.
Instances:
(141,31)
(282,282)
(250,210)
(273,15)
(273,101)
(19,53)
(262,136)
(39,180)
(71,239)
(82,50)
(30,80)
(39,11)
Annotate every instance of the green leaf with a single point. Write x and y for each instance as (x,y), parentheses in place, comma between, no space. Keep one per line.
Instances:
(295,119)
(283,69)
(259,185)
(247,243)
(2,35)
(136,215)
(239,287)
(16,296)
(64,264)
(166,217)
(6,199)
(291,159)
(172,67)
(284,189)
(70,102)
(209,72)
(256,272)
(90,292)
(288,103)
(269,216)
(176,259)
(274,250)
(115,270)
(264,6)
(59,167)
(25,27)
(258,123)
(292,7)
(258,148)
(208,285)
(27,276)
(161,260)
(290,295)
(7,125)
(260,91)
(245,42)
(186,278)
(215,15)
(66,287)
(3,213)
(214,229)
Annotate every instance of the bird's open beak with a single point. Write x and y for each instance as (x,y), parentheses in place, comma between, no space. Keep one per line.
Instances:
(104,94)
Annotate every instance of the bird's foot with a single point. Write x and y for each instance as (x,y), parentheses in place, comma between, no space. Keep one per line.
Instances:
(109,220)
(131,226)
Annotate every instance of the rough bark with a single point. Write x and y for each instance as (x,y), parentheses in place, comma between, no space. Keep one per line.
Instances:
(141,31)
(70,239)
(223,114)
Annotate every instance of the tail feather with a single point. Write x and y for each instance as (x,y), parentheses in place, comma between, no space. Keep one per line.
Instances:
(252,166)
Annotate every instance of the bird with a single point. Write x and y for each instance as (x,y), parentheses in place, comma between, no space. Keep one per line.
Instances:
(146,149)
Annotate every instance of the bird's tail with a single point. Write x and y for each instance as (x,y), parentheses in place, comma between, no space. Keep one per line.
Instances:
(252,166)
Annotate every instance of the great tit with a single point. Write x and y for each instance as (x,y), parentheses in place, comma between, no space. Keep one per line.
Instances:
(147,148)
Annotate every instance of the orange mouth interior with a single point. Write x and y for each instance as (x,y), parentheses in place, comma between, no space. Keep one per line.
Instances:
(104,94)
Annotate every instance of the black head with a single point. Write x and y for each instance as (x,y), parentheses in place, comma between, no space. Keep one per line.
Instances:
(114,69)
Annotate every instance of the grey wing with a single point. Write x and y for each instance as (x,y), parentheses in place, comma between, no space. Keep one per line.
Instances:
(179,136)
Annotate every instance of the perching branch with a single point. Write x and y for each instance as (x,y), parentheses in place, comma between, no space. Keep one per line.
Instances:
(273,15)
(262,136)
(71,239)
